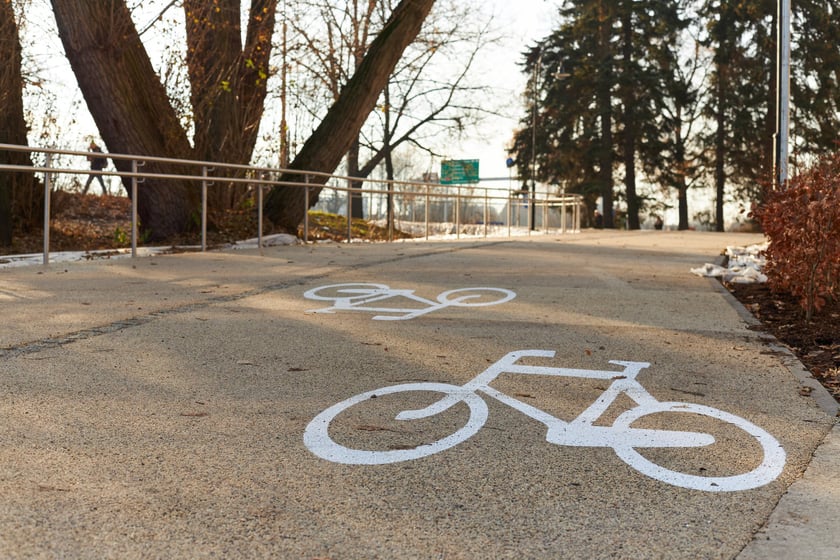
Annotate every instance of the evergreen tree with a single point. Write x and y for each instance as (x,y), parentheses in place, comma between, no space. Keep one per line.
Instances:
(739,104)
(648,33)
(566,136)
(607,107)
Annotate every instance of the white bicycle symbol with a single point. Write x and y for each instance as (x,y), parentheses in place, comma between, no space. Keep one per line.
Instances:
(582,431)
(360,297)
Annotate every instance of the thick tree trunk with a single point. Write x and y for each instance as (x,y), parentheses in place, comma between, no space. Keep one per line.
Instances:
(20,200)
(228,82)
(128,104)
(131,108)
(285,206)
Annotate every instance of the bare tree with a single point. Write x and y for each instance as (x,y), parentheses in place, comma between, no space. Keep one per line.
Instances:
(340,128)
(227,83)
(131,107)
(425,96)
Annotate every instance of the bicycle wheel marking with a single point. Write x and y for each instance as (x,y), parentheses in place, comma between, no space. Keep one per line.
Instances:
(621,436)
(374,298)
(317,438)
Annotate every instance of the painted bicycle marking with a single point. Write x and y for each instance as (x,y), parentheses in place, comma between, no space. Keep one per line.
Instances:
(370,297)
(582,431)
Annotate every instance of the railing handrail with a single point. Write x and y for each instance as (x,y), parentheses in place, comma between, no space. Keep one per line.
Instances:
(262,178)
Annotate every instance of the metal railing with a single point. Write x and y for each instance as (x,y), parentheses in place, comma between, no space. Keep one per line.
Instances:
(462,209)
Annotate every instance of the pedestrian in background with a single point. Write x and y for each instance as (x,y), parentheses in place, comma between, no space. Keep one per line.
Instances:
(97,163)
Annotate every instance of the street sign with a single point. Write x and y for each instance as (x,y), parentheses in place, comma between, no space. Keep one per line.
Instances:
(458,171)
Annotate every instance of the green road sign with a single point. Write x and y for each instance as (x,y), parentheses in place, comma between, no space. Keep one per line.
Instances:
(458,171)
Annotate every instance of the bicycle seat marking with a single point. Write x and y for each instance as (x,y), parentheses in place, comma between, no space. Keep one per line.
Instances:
(370,298)
(622,437)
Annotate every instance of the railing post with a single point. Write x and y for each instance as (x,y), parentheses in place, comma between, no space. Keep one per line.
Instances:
(134,182)
(428,201)
(47,190)
(260,212)
(349,210)
(509,212)
(563,213)
(204,209)
(306,210)
(486,212)
(458,212)
(545,216)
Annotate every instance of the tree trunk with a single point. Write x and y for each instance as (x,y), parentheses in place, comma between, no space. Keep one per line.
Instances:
(228,83)
(630,125)
(604,102)
(20,200)
(285,206)
(131,108)
(356,202)
(128,104)
(682,196)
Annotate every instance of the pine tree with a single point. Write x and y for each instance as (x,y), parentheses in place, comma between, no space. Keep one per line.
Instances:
(606,106)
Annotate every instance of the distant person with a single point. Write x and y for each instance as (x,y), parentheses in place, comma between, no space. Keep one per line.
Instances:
(599,220)
(97,163)
(658,223)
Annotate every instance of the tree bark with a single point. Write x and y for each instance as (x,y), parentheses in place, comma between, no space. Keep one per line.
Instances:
(227,84)
(720,145)
(228,80)
(20,199)
(285,206)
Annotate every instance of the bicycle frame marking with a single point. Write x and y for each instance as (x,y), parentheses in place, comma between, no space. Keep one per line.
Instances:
(361,297)
(580,432)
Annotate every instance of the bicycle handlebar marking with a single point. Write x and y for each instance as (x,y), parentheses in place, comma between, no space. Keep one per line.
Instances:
(580,432)
(359,297)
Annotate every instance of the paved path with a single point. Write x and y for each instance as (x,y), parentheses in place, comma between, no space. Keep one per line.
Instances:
(157,408)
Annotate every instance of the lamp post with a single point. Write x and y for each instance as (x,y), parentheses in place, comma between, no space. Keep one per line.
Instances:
(535,88)
(558,75)
(780,144)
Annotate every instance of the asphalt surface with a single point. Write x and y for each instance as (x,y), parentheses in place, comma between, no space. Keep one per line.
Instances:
(157,408)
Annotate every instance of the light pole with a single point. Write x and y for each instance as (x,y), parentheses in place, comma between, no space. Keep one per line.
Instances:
(559,74)
(535,88)
(780,144)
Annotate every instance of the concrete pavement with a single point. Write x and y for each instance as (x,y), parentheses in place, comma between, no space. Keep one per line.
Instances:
(157,408)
